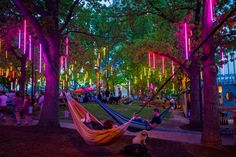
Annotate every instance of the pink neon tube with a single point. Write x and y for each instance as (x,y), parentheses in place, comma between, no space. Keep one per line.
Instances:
(154,60)
(163,65)
(211,10)
(186,41)
(149,59)
(30,48)
(173,68)
(40,58)
(24,48)
(19,39)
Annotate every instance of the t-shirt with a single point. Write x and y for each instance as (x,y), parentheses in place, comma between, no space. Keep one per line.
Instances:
(156,120)
(3,100)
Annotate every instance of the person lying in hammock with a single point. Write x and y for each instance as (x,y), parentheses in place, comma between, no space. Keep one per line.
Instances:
(107,124)
(156,120)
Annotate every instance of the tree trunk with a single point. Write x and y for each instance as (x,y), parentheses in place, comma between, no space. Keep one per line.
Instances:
(23,74)
(49,115)
(195,94)
(211,127)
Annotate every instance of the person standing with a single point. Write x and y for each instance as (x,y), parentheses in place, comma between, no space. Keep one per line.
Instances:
(28,109)
(18,103)
(3,105)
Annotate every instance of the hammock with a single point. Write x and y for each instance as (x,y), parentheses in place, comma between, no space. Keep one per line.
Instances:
(93,137)
(136,125)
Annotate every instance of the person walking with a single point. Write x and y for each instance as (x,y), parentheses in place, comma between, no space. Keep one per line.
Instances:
(3,106)
(28,109)
(18,103)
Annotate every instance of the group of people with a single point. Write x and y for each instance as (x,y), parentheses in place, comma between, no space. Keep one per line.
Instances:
(20,106)
(108,97)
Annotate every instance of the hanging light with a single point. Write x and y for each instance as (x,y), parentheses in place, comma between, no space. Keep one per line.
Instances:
(30,48)
(40,58)
(149,59)
(19,39)
(0,44)
(211,10)
(186,40)
(153,60)
(6,54)
(25,33)
(163,64)
(173,68)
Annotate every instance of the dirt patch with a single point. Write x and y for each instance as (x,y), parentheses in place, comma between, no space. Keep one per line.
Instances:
(59,142)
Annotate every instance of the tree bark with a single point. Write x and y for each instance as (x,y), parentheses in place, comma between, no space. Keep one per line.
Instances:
(49,115)
(195,94)
(211,127)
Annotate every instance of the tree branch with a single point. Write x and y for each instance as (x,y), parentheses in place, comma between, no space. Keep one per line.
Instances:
(69,15)
(160,13)
(19,4)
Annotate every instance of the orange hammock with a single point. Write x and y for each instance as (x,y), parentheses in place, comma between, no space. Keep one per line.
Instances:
(93,137)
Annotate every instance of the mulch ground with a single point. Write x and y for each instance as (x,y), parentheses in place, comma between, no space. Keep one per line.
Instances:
(60,142)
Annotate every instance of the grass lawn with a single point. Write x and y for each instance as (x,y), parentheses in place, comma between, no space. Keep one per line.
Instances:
(126,110)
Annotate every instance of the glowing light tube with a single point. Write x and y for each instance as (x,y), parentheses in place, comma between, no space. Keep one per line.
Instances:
(6,54)
(149,59)
(211,10)
(154,60)
(25,33)
(0,44)
(163,65)
(19,39)
(30,48)
(186,40)
(173,68)
(40,58)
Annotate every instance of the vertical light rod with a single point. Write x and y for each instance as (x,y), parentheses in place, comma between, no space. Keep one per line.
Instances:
(149,59)
(30,48)
(154,60)
(19,39)
(66,62)
(25,33)
(0,44)
(186,40)
(6,54)
(40,58)
(173,68)
(211,10)
(163,65)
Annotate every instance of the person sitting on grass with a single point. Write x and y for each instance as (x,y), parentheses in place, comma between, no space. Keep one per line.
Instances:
(155,119)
